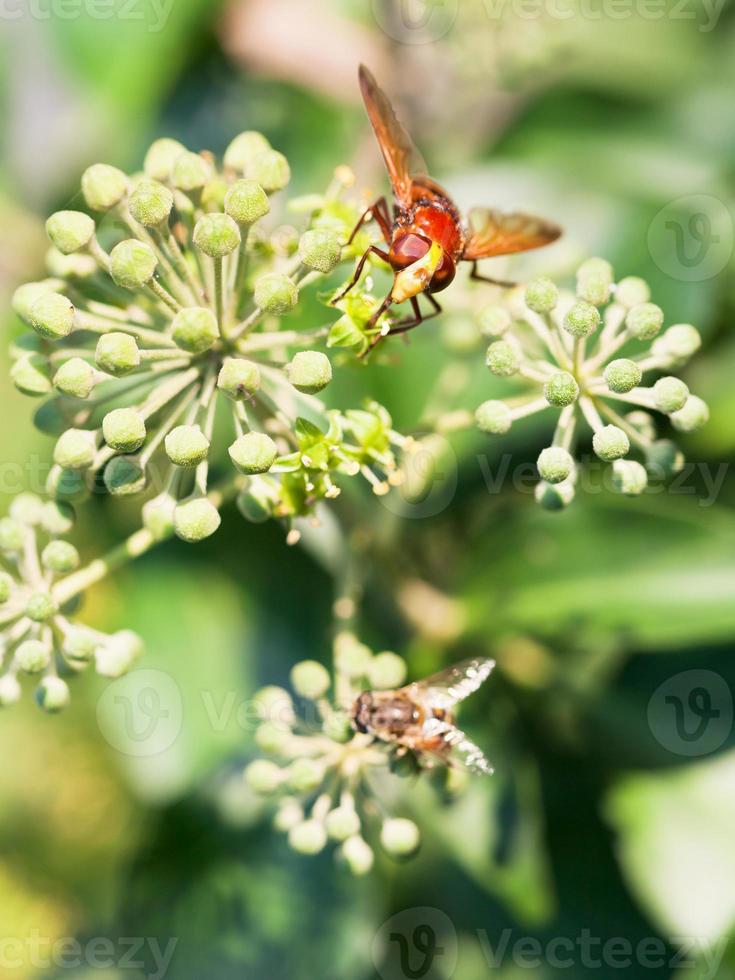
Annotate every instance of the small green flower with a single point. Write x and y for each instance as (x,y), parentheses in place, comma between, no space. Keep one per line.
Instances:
(70,230)
(310,371)
(246,202)
(186,445)
(400,837)
(670,395)
(494,321)
(630,477)
(254,452)
(52,315)
(582,320)
(75,449)
(117,354)
(622,375)
(75,378)
(310,679)
(555,464)
(276,294)
(644,321)
(270,169)
(502,359)
(610,442)
(217,235)
(541,296)
(244,149)
(386,670)
(132,264)
(124,430)
(308,837)
(195,329)
(151,203)
(60,556)
(693,414)
(561,389)
(238,378)
(196,519)
(103,186)
(320,249)
(494,417)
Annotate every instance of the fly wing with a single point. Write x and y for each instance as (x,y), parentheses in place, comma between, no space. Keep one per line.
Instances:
(496,233)
(461,749)
(450,686)
(401,157)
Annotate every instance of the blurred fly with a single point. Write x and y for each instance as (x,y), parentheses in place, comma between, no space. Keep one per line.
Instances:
(420,716)
(425,235)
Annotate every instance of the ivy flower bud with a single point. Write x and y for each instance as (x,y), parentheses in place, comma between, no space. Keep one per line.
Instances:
(561,389)
(27,508)
(310,679)
(541,295)
(194,329)
(276,294)
(160,158)
(75,449)
(124,430)
(40,607)
(643,422)
(196,519)
(52,694)
(124,476)
(290,812)
(693,415)
(75,378)
(103,186)
(629,477)
(186,445)
(26,295)
(11,535)
(351,657)
(117,354)
(632,291)
(304,775)
(308,837)
(190,172)
(32,656)
(610,443)
(494,321)
(271,738)
(56,517)
(386,670)
(246,201)
(358,855)
(254,452)
(31,376)
(309,371)
(644,321)
(52,315)
(244,149)
(132,264)
(494,417)
(238,378)
(595,278)
(70,230)
(158,515)
(60,556)
(320,249)
(554,497)
(151,203)
(338,727)
(118,653)
(10,690)
(582,319)
(399,837)
(622,375)
(79,646)
(677,344)
(670,394)
(555,464)
(274,703)
(217,235)
(270,169)
(502,359)
(342,822)
(664,458)
(263,777)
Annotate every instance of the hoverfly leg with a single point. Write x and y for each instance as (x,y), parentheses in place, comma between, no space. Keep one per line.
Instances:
(376,212)
(405,325)
(474,274)
(358,271)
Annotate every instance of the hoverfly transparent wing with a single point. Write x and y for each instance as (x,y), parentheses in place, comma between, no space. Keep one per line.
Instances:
(450,686)
(461,749)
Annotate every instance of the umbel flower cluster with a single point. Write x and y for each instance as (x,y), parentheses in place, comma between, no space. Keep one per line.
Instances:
(160,340)
(332,784)
(586,356)
(38,636)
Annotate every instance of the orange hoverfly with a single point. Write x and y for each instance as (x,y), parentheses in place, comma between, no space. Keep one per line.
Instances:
(425,236)
(419,717)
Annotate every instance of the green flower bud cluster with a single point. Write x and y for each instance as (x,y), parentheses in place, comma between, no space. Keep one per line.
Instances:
(585,355)
(189,313)
(317,761)
(37,633)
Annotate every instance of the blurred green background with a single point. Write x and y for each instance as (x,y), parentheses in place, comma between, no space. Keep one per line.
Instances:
(619,122)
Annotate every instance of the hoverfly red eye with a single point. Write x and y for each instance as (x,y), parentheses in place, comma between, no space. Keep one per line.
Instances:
(407,249)
(443,275)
